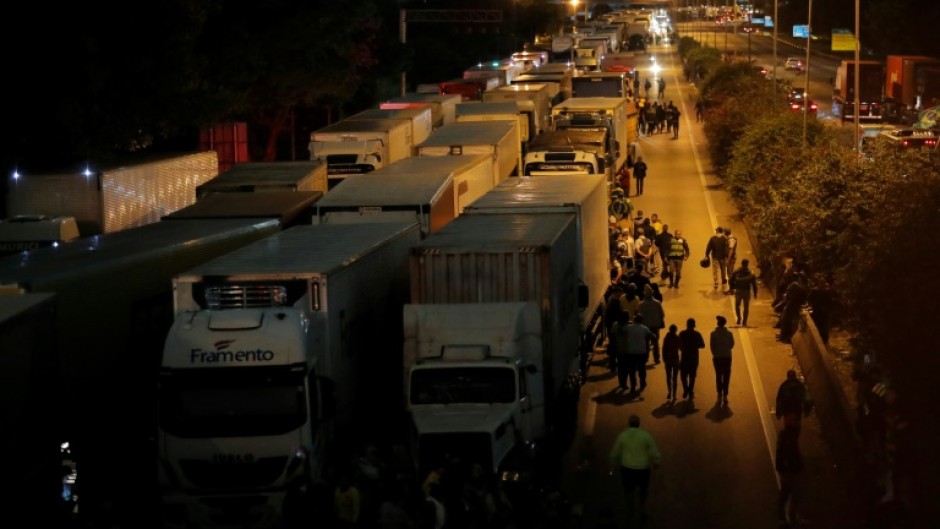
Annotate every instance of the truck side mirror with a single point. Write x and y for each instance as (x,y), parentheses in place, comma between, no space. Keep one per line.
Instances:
(583,296)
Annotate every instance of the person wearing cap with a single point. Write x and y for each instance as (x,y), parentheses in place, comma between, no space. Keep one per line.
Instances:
(717,251)
(721,343)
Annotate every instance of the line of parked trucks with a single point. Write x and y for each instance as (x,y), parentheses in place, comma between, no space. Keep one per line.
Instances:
(435,273)
(260,350)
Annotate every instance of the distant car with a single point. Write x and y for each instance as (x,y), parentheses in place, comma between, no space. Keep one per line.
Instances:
(811,106)
(796,95)
(793,63)
(759,70)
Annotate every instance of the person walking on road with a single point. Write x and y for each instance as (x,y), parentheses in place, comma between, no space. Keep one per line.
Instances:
(721,343)
(743,282)
(678,253)
(654,317)
(635,452)
(671,345)
(634,343)
(662,87)
(788,462)
(639,174)
(717,251)
(793,401)
(647,87)
(690,341)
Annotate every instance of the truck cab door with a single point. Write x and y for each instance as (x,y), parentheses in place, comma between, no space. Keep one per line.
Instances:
(531,417)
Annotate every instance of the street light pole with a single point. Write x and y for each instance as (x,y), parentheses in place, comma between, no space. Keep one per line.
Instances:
(858,45)
(809,40)
(776,23)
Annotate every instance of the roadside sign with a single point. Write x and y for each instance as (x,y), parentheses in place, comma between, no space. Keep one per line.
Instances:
(842,40)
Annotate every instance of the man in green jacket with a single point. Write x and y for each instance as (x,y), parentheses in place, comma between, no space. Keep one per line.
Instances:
(636,453)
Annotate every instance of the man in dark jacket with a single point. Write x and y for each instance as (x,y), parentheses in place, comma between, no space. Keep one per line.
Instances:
(663,242)
(743,282)
(639,174)
(793,401)
(690,341)
(717,251)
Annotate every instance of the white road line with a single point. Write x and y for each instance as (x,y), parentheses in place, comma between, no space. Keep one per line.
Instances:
(763,410)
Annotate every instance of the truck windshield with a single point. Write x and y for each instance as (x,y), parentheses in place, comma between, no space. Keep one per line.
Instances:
(465,385)
(232,402)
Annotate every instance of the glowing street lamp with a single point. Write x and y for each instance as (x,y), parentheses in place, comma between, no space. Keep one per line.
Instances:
(574,17)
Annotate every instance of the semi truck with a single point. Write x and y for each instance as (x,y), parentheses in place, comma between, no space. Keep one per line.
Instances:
(505,70)
(106,200)
(557,75)
(616,114)
(355,146)
(281,356)
(589,53)
(113,307)
(911,82)
(496,111)
(268,176)
(499,140)
(586,197)
(442,106)
(601,84)
(870,91)
(491,343)
(432,190)
(23,233)
(534,100)
(570,152)
(420,118)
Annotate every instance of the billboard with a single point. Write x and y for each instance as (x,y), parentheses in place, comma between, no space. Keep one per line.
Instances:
(801,31)
(842,40)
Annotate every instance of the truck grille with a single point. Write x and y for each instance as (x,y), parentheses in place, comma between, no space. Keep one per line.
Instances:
(469,447)
(242,296)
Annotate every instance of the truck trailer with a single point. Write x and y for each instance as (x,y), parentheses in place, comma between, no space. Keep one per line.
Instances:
(113,307)
(253,177)
(289,208)
(442,106)
(911,82)
(870,91)
(498,140)
(355,146)
(586,197)
(470,89)
(496,111)
(492,343)
(113,199)
(281,356)
(534,100)
(421,119)
(432,190)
